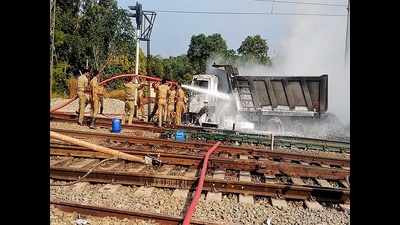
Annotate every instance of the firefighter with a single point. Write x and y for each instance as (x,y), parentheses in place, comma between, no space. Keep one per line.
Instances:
(154,113)
(83,97)
(101,93)
(94,97)
(171,104)
(162,102)
(141,98)
(181,101)
(131,93)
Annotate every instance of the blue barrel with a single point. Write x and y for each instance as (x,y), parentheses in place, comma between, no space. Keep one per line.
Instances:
(180,135)
(116,125)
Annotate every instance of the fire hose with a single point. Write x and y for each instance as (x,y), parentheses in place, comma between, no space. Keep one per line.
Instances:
(199,187)
(106,81)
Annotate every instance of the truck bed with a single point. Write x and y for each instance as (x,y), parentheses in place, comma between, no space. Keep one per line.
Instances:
(282,96)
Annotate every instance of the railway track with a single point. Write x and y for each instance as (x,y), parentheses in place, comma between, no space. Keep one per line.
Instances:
(199,133)
(185,177)
(293,165)
(127,142)
(122,214)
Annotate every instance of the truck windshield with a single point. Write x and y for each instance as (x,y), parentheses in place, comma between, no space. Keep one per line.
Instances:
(201,83)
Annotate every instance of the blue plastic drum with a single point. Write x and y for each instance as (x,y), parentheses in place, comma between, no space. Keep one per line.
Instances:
(116,125)
(180,135)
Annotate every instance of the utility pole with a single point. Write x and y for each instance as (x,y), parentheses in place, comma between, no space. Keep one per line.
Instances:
(144,26)
(52,26)
(139,18)
(137,51)
(148,74)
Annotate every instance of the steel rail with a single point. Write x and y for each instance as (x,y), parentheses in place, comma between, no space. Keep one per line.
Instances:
(140,125)
(288,191)
(122,214)
(201,146)
(260,166)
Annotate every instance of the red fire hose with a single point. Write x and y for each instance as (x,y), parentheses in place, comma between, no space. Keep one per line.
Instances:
(106,81)
(199,187)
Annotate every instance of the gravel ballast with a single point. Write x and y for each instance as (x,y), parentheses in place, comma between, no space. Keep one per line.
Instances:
(227,211)
(58,217)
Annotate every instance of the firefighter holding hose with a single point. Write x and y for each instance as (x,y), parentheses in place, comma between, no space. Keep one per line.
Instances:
(83,97)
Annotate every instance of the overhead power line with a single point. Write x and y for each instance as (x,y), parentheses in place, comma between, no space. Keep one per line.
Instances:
(246,13)
(304,3)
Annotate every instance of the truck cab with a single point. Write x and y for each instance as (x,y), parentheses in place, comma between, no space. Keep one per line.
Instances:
(201,104)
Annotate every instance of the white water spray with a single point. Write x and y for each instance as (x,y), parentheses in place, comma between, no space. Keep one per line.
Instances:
(216,94)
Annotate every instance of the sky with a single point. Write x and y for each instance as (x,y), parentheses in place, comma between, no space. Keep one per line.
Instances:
(303,45)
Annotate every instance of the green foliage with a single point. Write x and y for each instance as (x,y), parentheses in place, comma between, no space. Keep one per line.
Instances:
(173,68)
(92,30)
(254,49)
(100,33)
(203,47)
(60,77)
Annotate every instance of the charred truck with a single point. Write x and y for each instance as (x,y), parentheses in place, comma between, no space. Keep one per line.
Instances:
(266,102)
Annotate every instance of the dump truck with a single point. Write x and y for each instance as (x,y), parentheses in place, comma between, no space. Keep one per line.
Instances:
(263,101)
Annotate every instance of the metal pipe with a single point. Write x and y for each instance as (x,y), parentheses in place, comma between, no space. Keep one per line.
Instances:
(148,73)
(97,148)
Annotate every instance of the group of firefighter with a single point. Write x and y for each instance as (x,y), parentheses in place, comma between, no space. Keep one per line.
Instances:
(170,99)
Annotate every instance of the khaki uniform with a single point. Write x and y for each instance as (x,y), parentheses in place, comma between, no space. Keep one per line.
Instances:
(130,101)
(83,98)
(100,94)
(162,103)
(94,91)
(171,106)
(141,102)
(181,101)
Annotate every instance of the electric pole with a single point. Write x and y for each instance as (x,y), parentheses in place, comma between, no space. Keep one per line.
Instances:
(139,18)
(144,26)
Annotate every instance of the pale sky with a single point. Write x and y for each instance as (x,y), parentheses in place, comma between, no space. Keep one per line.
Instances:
(172,32)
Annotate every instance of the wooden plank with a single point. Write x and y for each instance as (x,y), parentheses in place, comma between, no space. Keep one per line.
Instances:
(306,94)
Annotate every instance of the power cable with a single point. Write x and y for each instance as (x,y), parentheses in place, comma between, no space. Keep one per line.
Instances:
(246,13)
(304,3)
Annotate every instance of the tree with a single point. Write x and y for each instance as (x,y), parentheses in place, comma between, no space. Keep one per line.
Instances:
(255,49)
(202,47)
(97,32)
